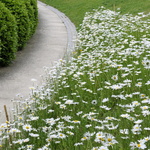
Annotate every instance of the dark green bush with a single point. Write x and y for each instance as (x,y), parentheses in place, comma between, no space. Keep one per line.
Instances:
(33,14)
(17,25)
(8,36)
(18,9)
(34,5)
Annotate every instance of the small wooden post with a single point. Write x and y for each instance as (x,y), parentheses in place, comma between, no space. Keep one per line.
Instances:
(6,113)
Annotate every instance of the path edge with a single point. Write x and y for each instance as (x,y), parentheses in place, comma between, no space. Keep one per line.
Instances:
(70,27)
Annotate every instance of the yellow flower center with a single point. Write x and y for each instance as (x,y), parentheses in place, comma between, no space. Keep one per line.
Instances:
(109,139)
(27,127)
(102,139)
(75,120)
(138,145)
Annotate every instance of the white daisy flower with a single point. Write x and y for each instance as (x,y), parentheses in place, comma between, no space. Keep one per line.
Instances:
(27,127)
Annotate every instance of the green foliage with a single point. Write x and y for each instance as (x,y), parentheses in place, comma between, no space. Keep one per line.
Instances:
(99,99)
(8,36)
(19,10)
(31,6)
(76,9)
(34,5)
(17,25)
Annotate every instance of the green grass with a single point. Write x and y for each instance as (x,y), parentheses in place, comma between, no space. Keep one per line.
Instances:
(99,99)
(76,9)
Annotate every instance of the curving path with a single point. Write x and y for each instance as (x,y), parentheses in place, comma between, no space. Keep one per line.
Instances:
(53,38)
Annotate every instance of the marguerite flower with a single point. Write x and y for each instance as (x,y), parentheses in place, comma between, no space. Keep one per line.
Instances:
(27,127)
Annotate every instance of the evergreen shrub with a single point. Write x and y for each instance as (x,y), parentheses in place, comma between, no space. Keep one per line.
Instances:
(18,9)
(33,14)
(16,28)
(8,36)
(34,5)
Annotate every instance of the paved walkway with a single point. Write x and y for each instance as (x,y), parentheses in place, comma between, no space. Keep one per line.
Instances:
(53,38)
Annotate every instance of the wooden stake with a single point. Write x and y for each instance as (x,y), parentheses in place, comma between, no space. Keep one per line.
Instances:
(6,113)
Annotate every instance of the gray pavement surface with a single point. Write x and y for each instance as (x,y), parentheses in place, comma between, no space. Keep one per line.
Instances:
(53,38)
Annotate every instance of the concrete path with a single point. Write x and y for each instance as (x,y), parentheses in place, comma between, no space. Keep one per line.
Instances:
(53,38)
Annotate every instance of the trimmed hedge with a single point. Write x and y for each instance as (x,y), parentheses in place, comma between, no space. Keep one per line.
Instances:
(8,36)
(18,9)
(34,4)
(33,14)
(23,23)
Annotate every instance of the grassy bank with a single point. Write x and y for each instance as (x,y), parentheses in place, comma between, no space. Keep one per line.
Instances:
(76,9)
(97,100)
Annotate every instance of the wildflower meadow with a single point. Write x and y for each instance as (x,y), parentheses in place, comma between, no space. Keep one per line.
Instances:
(98,99)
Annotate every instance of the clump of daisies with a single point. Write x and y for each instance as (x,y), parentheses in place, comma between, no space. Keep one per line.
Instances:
(97,100)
